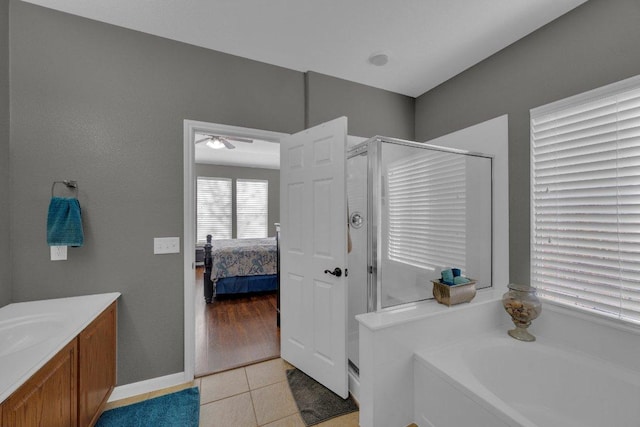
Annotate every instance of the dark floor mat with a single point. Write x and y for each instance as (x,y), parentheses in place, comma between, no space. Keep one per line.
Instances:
(316,402)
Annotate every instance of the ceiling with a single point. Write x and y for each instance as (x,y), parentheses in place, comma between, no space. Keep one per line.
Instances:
(427,41)
(258,154)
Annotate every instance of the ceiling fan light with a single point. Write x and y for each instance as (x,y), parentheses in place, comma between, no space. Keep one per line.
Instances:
(215,143)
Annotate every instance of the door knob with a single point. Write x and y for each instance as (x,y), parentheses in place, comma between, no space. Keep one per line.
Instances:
(336,272)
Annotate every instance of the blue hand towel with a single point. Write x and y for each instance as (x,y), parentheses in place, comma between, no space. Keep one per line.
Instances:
(64,222)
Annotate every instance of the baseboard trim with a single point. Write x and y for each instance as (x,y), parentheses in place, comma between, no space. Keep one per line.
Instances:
(147,386)
(354,386)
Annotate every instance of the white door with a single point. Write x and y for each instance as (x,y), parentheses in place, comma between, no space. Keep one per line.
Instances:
(313,302)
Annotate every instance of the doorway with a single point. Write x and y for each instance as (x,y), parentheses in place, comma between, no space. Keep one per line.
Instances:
(234,330)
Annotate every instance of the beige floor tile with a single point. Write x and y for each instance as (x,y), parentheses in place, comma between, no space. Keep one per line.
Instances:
(290,421)
(349,420)
(235,411)
(225,384)
(273,402)
(265,373)
(287,365)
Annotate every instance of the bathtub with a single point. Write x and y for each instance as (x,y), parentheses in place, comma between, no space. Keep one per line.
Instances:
(566,378)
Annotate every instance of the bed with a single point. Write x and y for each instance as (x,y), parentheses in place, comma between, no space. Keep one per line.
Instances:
(238,266)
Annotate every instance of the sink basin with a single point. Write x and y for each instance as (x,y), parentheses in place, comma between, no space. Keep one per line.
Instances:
(23,332)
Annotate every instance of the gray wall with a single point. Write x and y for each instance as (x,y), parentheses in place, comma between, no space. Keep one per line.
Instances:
(5,263)
(105,106)
(235,172)
(591,46)
(370,111)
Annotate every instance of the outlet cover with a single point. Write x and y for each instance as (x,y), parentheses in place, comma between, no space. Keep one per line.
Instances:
(166,245)
(58,253)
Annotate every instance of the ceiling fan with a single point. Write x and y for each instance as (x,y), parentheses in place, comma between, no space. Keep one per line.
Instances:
(217,142)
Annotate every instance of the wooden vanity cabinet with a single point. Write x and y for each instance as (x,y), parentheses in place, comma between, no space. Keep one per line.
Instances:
(72,388)
(96,366)
(49,397)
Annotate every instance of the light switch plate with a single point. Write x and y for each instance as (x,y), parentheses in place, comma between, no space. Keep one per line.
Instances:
(166,245)
(58,253)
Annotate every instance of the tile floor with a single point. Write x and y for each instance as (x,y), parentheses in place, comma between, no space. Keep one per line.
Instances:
(256,395)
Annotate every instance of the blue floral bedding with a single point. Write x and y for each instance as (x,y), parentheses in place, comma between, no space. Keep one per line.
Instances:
(243,257)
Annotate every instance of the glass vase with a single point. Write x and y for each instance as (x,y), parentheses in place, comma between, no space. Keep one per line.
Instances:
(523,306)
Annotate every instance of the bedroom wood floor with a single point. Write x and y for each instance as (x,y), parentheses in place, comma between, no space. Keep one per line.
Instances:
(234,331)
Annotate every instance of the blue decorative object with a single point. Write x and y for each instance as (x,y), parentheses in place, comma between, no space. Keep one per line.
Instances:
(456,272)
(447,277)
(459,280)
(64,222)
(176,409)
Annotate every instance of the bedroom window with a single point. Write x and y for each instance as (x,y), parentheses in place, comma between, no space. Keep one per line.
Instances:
(252,208)
(585,204)
(214,207)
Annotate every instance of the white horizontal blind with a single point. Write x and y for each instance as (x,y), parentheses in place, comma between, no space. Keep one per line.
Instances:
(427,211)
(252,201)
(213,210)
(585,248)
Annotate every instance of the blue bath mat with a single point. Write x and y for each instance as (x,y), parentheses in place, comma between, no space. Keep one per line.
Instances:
(176,409)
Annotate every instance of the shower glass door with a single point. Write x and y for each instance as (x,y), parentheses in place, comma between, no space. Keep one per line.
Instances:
(434,212)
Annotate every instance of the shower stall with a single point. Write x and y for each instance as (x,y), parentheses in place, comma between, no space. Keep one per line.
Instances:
(414,209)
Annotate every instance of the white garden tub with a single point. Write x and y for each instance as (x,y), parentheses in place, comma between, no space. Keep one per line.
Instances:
(494,380)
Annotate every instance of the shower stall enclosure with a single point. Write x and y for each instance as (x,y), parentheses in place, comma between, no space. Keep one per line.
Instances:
(414,209)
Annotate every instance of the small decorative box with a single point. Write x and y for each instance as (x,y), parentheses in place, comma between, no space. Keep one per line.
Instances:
(455,294)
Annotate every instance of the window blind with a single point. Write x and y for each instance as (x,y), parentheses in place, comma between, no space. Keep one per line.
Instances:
(585,186)
(252,208)
(427,211)
(213,210)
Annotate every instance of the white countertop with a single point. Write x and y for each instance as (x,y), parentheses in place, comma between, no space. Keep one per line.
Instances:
(31,333)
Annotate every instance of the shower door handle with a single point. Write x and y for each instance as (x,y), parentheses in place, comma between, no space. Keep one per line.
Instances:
(336,272)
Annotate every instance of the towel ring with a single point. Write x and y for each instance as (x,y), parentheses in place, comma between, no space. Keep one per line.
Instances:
(68,183)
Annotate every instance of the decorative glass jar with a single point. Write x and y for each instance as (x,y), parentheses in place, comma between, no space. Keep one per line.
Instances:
(523,306)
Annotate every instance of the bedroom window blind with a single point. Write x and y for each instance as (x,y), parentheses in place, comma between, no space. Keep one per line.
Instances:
(427,211)
(213,208)
(585,186)
(252,198)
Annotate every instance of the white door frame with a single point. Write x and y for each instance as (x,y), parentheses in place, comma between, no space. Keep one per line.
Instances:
(190,129)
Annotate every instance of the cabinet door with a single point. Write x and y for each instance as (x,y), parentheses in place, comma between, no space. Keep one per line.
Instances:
(49,397)
(97,366)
